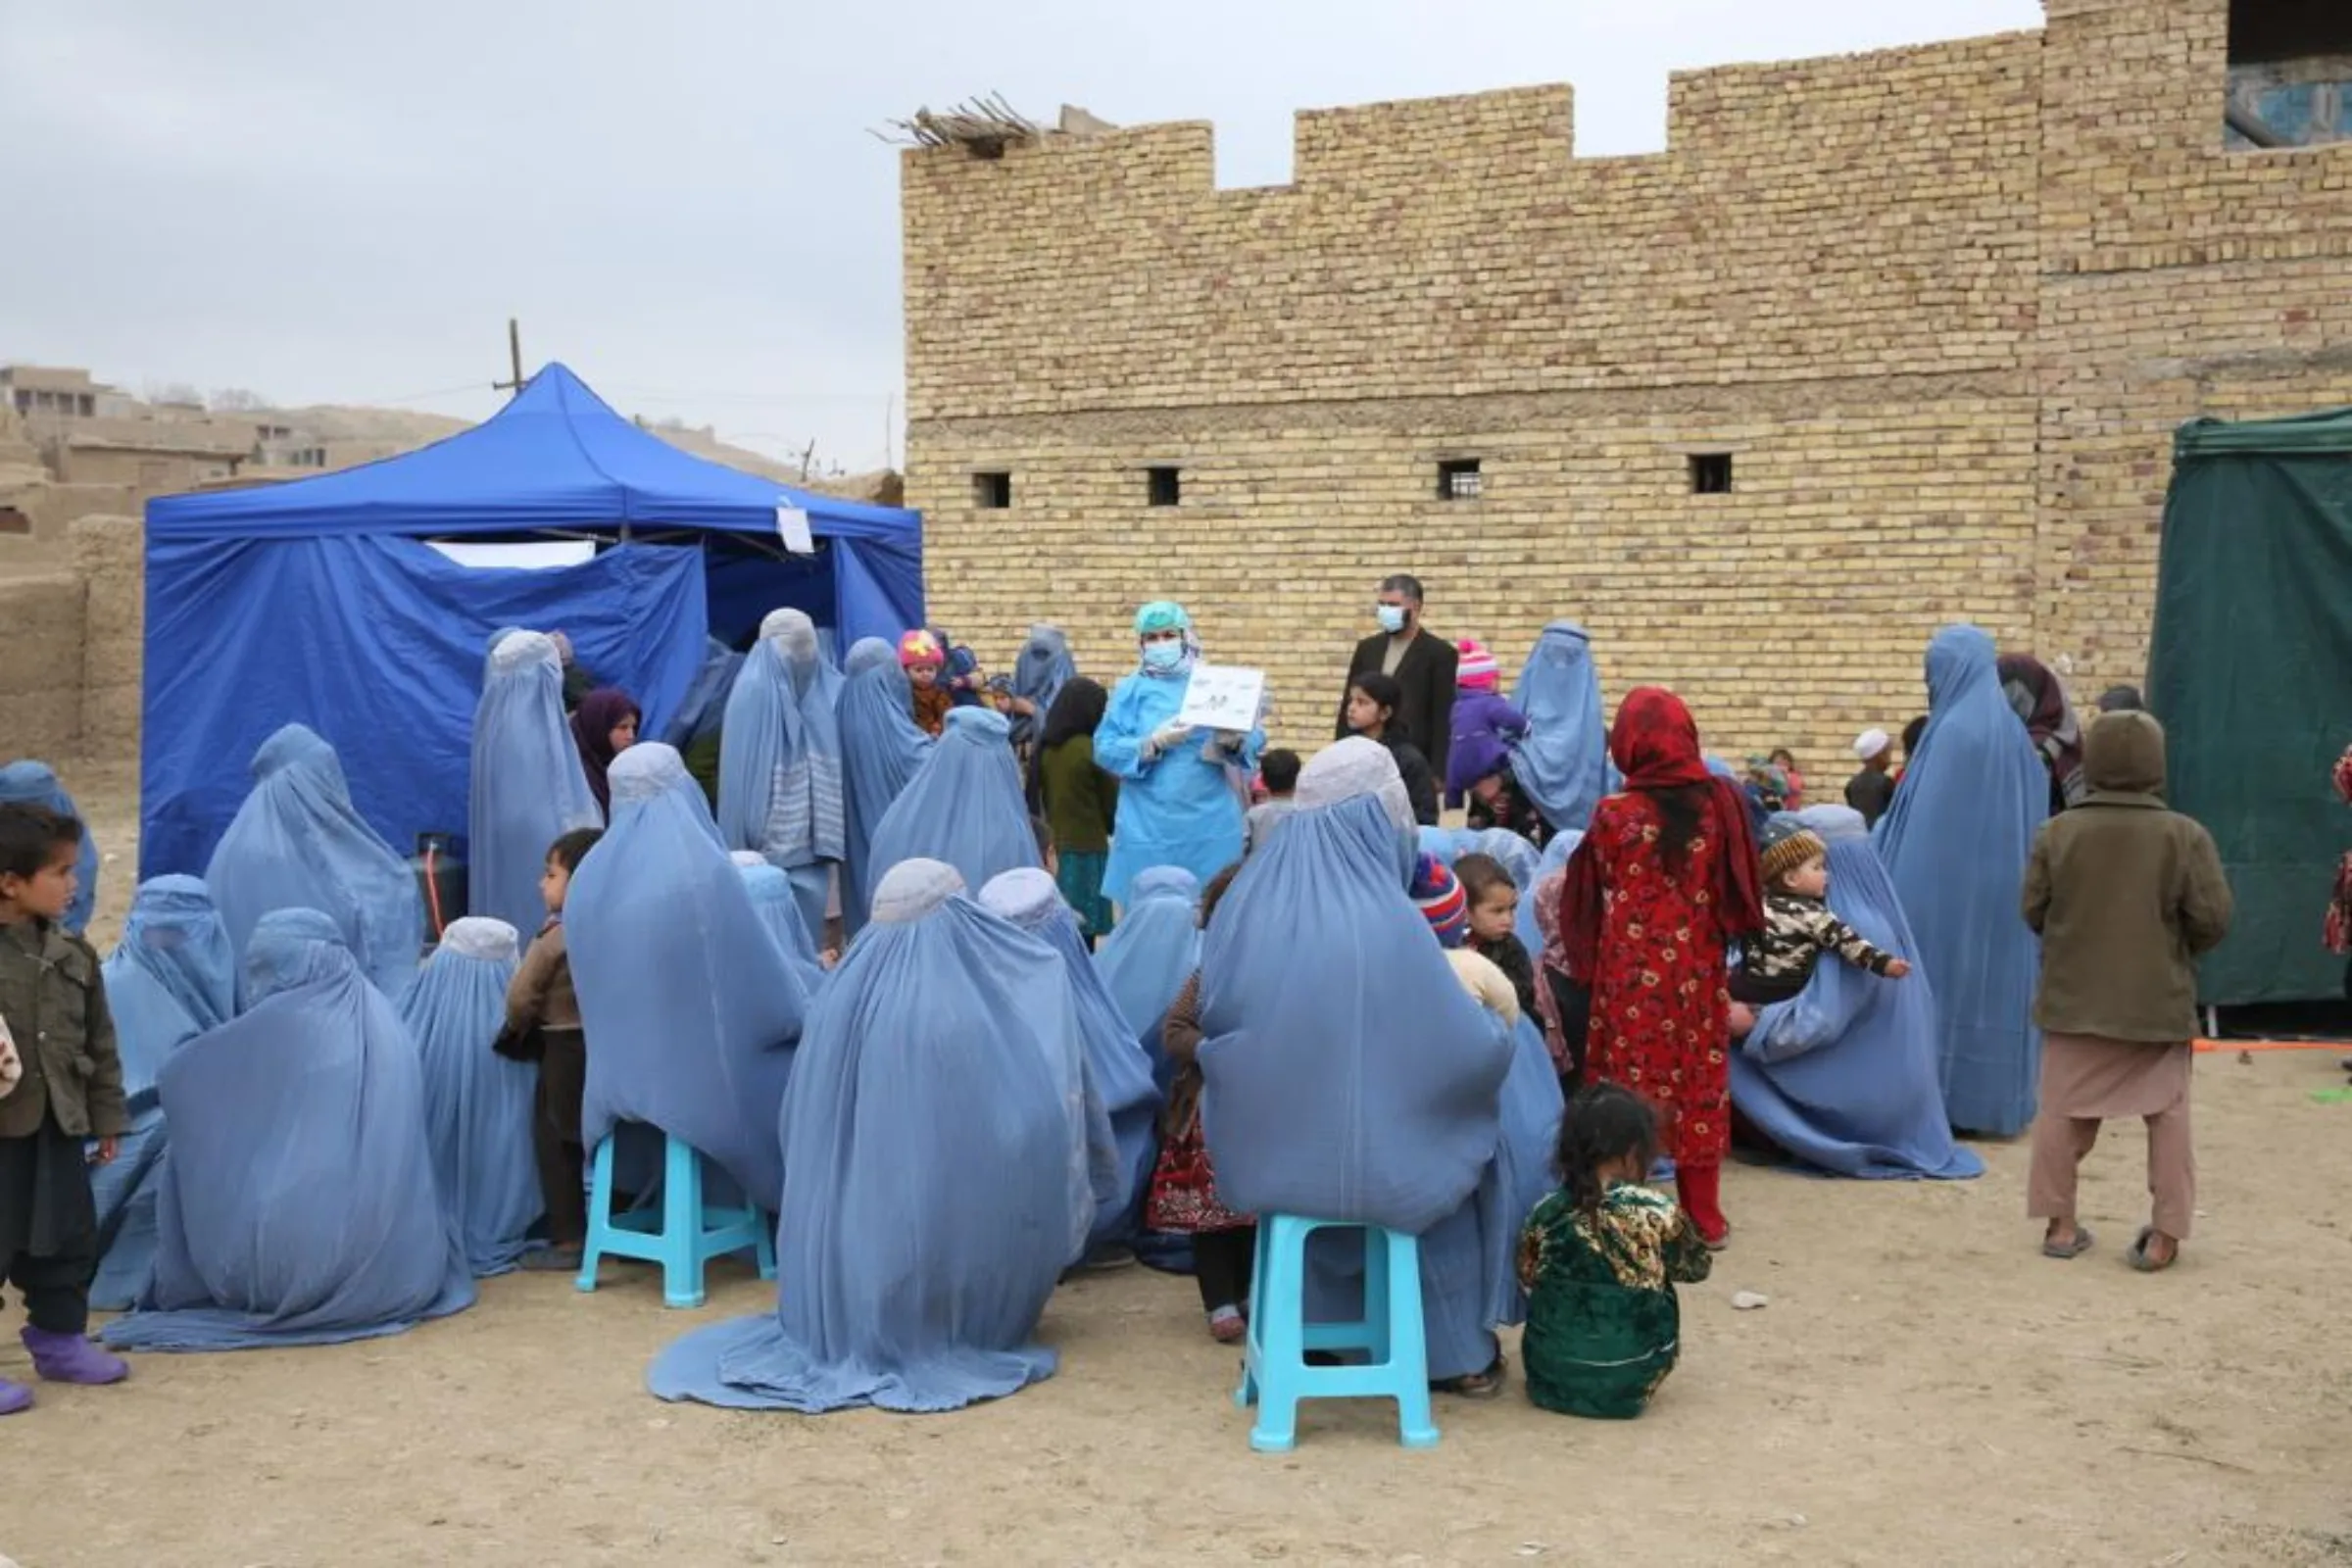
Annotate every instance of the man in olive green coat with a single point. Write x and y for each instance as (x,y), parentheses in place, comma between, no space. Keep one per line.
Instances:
(2127,895)
(69,1090)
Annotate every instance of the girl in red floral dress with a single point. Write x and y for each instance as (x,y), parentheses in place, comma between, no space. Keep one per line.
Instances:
(1665,880)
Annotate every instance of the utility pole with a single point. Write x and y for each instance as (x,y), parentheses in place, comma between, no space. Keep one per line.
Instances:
(514,357)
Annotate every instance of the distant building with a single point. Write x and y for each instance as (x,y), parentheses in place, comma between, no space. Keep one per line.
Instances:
(40,392)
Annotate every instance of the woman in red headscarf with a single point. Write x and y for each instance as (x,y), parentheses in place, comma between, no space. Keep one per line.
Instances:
(1665,880)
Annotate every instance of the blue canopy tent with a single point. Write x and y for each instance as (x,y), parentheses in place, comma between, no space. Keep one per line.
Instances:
(321,602)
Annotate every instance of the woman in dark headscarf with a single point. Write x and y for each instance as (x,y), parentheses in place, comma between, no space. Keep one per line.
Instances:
(2039,702)
(604,726)
(1665,879)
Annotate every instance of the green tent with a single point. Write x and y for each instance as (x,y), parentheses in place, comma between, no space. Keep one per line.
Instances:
(2251,672)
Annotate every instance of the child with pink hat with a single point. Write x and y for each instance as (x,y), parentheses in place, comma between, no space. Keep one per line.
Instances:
(1486,724)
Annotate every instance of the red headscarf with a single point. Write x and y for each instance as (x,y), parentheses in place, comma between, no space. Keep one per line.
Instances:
(1654,744)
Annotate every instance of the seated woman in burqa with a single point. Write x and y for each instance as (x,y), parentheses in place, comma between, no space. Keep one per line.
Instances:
(690,1006)
(881,750)
(1347,1075)
(171,978)
(478,1103)
(1842,1077)
(528,788)
(965,806)
(1122,1102)
(927,1174)
(298,1206)
(298,843)
(779,906)
(1153,950)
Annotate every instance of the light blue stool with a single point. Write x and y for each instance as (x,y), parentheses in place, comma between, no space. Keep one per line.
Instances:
(682,1236)
(1275,1375)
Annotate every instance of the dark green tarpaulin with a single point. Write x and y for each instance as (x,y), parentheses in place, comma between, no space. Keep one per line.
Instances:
(2251,671)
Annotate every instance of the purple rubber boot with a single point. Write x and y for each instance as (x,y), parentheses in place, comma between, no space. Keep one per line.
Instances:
(73,1358)
(14,1396)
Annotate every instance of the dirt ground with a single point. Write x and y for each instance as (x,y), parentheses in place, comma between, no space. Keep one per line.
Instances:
(1922,1388)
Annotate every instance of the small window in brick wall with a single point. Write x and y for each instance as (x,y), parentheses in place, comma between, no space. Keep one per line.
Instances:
(1711,473)
(992,490)
(1458,479)
(1163,486)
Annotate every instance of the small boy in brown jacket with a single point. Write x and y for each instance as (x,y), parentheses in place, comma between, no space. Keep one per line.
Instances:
(543,1010)
(2127,895)
(67,1088)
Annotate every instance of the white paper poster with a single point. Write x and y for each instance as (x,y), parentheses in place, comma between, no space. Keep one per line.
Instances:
(1223,697)
(791,527)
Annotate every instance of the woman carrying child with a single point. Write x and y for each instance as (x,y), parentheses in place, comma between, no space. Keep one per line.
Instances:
(1600,1260)
(1665,880)
(1373,700)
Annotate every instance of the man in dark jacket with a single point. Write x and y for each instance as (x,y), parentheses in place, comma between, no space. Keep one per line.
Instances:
(1422,664)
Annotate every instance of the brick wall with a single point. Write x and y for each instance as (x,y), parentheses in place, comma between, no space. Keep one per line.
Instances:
(1943,305)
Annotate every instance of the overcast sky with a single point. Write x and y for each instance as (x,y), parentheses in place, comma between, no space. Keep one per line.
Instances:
(338,203)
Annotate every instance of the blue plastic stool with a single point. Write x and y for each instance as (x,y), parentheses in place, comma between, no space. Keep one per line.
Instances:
(682,1236)
(1275,1375)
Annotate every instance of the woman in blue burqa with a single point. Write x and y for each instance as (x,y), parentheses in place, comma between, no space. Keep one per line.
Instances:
(171,978)
(297,1205)
(1842,1077)
(478,1103)
(298,843)
(1153,950)
(1122,1104)
(529,786)
(1040,671)
(964,807)
(690,1006)
(780,765)
(1562,764)
(1955,842)
(882,751)
(780,909)
(30,783)
(927,1174)
(1347,1076)
(1178,801)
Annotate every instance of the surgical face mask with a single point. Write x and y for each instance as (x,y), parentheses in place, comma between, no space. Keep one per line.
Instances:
(1389,616)
(1163,655)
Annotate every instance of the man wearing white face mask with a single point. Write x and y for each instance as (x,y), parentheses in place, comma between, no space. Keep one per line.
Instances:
(1422,664)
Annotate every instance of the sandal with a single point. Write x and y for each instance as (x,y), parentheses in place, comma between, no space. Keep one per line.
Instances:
(1484,1385)
(2138,1256)
(2073,1249)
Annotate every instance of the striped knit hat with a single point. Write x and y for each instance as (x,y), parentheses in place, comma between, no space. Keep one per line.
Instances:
(1787,845)
(1443,905)
(1477,670)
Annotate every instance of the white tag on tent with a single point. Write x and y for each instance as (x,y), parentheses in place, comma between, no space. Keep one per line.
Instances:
(791,527)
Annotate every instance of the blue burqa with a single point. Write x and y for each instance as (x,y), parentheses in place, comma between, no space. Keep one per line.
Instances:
(1156,947)
(882,751)
(298,1204)
(691,1008)
(704,705)
(1562,762)
(478,1104)
(780,760)
(1554,860)
(779,909)
(30,783)
(1345,1074)
(172,977)
(926,1196)
(529,788)
(1122,1100)
(1513,853)
(298,843)
(964,807)
(1039,672)
(1955,842)
(1843,1076)
(1180,807)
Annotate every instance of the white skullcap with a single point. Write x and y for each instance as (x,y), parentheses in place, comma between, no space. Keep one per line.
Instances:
(1351,767)
(913,889)
(1870,743)
(477,936)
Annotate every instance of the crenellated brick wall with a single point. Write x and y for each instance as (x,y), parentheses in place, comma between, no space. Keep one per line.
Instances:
(1943,305)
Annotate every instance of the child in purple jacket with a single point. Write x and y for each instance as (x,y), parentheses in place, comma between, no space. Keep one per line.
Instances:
(1486,726)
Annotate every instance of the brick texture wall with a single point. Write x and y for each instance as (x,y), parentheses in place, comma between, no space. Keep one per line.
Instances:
(1943,305)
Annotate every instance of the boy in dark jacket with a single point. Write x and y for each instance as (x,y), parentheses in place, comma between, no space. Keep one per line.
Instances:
(69,1089)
